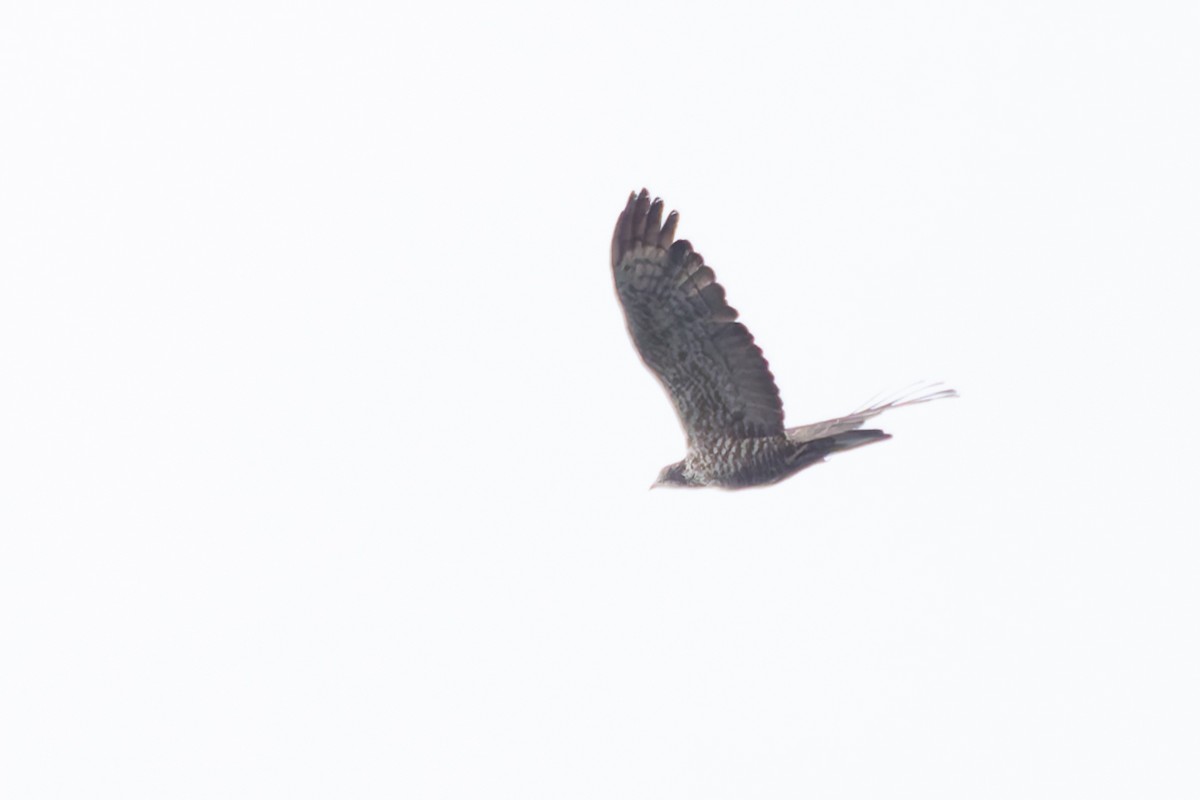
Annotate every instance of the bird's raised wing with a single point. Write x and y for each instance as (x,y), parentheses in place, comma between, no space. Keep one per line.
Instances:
(687,334)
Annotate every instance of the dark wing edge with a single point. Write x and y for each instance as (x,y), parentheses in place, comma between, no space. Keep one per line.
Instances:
(686,332)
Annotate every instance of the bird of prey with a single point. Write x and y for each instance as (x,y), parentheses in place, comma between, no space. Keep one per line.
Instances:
(715,374)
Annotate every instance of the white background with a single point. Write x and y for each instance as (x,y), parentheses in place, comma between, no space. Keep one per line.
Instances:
(325,453)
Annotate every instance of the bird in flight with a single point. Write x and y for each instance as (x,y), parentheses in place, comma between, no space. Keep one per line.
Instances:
(715,374)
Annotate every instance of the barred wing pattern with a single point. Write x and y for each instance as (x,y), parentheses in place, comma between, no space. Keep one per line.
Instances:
(687,334)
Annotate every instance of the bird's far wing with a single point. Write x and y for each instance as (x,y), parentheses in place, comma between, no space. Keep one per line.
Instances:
(917,393)
(686,333)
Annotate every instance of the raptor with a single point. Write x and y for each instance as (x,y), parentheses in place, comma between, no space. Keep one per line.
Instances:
(722,388)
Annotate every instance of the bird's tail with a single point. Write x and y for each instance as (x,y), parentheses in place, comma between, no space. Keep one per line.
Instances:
(850,440)
(844,430)
(814,451)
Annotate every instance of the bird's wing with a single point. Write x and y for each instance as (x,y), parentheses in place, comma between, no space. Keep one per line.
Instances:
(687,334)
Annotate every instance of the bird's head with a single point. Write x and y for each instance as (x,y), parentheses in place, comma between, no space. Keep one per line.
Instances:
(672,475)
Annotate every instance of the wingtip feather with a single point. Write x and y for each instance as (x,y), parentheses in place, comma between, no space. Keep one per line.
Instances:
(641,223)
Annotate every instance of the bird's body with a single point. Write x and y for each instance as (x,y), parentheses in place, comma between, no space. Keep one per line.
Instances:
(758,461)
(708,362)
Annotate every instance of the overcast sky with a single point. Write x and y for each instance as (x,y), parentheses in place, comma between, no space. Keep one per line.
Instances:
(324,452)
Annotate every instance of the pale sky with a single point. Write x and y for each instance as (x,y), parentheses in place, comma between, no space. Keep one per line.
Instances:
(325,452)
